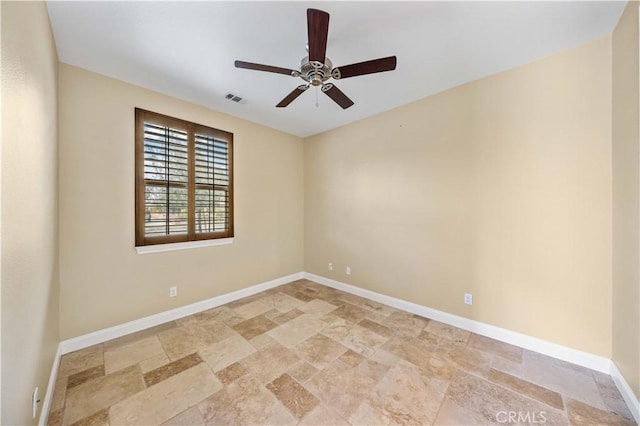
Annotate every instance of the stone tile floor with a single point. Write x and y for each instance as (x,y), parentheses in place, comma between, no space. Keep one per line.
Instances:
(303,353)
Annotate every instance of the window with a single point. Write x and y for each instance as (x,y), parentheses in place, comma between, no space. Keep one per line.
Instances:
(184,181)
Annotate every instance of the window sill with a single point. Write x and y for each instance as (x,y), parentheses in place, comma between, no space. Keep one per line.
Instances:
(159,248)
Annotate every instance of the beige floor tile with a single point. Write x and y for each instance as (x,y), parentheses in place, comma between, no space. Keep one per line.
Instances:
(295,397)
(452,414)
(376,316)
(247,402)
(611,396)
(281,302)
(385,357)
(263,341)
(166,399)
(95,395)
(302,296)
(323,416)
(252,309)
(296,330)
(531,390)
(302,371)
(320,350)
(449,357)
(407,395)
(376,328)
(336,328)
(84,376)
(352,299)
(254,326)
(341,387)
(132,353)
(171,369)
(190,417)
(59,394)
(55,418)
(280,318)
(321,292)
(222,354)
(412,349)
(366,414)
(81,360)
(506,366)
(373,369)
(313,355)
(353,336)
(495,347)
(231,373)
(154,362)
(406,323)
(349,312)
(221,314)
(446,331)
(270,362)
(139,335)
(244,301)
(221,330)
(582,414)
(317,307)
(101,418)
(382,311)
(495,402)
(180,342)
(351,358)
(575,383)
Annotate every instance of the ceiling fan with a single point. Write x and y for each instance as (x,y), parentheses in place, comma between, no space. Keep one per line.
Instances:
(316,69)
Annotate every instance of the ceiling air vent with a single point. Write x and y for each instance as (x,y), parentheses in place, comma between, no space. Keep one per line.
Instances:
(232,97)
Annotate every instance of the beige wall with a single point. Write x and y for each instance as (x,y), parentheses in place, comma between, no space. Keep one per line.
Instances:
(501,188)
(626,197)
(103,281)
(29,207)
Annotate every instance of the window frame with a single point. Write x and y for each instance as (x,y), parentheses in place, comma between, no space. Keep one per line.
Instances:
(142,116)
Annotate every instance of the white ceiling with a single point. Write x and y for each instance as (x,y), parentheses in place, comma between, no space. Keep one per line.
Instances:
(187,49)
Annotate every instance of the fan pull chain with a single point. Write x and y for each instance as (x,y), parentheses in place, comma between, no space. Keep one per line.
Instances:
(316,96)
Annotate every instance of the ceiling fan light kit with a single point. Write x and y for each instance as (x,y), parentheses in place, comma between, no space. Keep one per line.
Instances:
(316,69)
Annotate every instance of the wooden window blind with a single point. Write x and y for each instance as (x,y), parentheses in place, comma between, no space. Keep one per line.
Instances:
(184,180)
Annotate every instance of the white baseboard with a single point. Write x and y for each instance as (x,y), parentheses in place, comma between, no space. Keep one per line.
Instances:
(554,350)
(564,353)
(100,336)
(48,396)
(627,393)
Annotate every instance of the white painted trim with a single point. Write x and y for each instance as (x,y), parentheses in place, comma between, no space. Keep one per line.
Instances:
(100,336)
(159,248)
(626,391)
(48,396)
(584,359)
(564,353)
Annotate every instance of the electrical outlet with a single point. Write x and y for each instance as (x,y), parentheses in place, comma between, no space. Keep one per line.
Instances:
(348,270)
(173,291)
(468,299)
(330,266)
(35,400)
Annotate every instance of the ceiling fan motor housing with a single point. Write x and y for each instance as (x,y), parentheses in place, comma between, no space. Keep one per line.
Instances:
(314,72)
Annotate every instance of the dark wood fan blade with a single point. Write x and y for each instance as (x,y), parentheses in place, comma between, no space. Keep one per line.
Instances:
(292,96)
(318,30)
(266,68)
(367,67)
(336,94)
